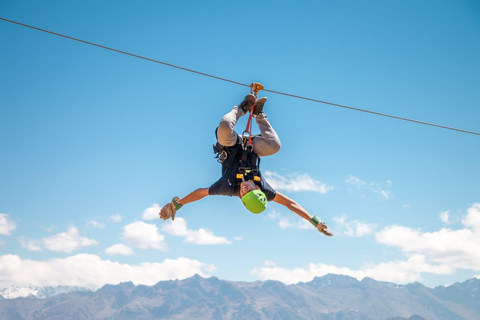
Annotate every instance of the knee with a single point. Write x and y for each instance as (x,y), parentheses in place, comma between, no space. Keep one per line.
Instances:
(270,147)
(225,124)
(275,146)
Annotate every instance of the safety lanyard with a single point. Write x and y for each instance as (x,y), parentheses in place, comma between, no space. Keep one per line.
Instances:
(254,88)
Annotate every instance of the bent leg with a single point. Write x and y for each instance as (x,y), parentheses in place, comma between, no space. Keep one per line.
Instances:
(269,142)
(226,134)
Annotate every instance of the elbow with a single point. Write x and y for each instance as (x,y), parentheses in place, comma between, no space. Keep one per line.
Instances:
(203,191)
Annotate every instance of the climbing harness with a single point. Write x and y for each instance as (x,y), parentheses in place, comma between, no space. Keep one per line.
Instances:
(249,162)
(249,168)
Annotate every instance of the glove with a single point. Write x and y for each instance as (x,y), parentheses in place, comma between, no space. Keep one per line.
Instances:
(170,209)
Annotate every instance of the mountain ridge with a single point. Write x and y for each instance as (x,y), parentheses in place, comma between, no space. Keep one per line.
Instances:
(325,298)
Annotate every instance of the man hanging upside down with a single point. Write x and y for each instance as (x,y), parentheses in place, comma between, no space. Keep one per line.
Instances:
(241,176)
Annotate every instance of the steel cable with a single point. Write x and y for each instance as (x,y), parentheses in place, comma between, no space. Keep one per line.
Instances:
(243,84)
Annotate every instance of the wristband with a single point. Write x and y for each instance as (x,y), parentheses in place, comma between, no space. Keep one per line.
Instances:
(315,221)
(176,204)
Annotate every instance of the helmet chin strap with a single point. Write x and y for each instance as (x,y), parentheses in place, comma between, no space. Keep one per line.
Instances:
(255,186)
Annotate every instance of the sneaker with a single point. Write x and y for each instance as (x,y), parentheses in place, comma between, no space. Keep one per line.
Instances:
(259,106)
(247,103)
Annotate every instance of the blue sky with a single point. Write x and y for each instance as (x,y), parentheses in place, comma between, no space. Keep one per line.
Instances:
(93,142)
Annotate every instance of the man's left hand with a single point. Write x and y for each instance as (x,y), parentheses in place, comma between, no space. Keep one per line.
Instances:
(322,227)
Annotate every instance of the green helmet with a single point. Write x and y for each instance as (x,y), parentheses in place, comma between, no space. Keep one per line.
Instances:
(255,201)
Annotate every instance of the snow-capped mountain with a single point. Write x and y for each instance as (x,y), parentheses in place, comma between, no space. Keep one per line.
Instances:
(38,292)
(324,298)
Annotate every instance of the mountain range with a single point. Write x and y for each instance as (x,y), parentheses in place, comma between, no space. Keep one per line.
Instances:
(37,292)
(331,297)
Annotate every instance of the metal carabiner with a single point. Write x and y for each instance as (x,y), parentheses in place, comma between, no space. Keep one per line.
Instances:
(255,87)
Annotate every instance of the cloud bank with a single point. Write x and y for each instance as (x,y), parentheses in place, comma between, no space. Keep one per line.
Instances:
(440,252)
(87,270)
(67,241)
(353,228)
(296,183)
(6,225)
(401,272)
(151,213)
(456,248)
(119,249)
(201,236)
(144,235)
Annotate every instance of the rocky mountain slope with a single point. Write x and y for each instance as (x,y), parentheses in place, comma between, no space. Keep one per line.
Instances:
(326,298)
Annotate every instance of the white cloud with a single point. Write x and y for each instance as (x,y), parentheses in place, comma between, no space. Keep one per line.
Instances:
(384,193)
(296,182)
(144,235)
(67,241)
(238,238)
(440,252)
(285,223)
(401,272)
(48,229)
(30,244)
(353,228)
(374,187)
(355,181)
(444,217)
(472,220)
(96,224)
(115,218)
(200,236)
(86,270)
(6,225)
(454,248)
(120,249)
(151,213)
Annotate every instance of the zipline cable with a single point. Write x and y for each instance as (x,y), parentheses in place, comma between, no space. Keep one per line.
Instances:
(124,52)
(374,112)
(243,84)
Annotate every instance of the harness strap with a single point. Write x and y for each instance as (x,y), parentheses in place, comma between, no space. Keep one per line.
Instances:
(231,157)
(249,166)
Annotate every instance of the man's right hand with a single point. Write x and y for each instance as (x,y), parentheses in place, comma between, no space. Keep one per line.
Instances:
(168,211)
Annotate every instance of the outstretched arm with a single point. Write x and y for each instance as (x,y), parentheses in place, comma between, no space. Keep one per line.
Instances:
(298,209)
(196,195)
(292,205)
(170,209)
